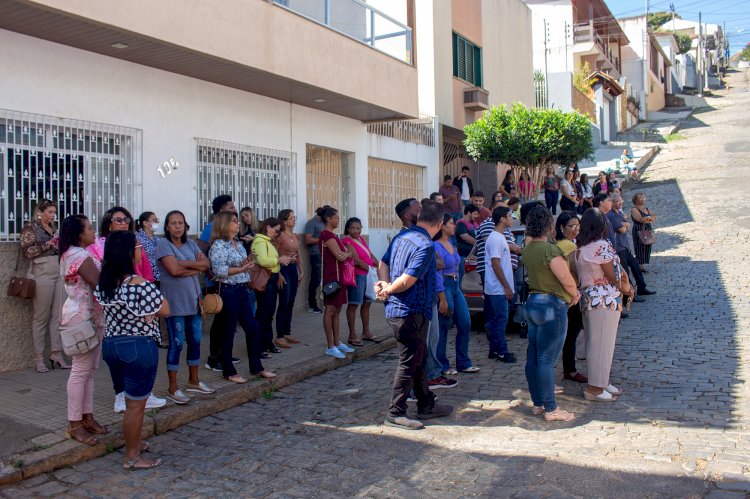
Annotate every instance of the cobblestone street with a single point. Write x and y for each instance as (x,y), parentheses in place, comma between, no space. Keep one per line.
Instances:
(681,429)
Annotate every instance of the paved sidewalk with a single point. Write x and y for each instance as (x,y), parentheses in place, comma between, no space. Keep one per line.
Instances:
(33,410)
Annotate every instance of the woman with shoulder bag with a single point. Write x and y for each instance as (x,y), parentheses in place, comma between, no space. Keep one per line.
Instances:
(131,306)
(39,245)
(268,259)
(180,261)
(364,260)
(334,253)
(603,283)
(80,276)
(642,220)
(230,266)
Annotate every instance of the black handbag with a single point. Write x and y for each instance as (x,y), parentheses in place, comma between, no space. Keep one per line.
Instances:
(332,287)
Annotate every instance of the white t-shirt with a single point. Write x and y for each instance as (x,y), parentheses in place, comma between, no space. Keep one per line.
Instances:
(497,247)
(465,194)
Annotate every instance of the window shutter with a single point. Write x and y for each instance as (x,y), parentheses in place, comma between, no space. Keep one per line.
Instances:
(477,66)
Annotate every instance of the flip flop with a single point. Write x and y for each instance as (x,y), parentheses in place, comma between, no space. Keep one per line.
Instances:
(133,465)
(373,339)
(355,343)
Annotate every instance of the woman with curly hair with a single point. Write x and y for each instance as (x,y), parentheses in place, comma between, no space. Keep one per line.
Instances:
(552,290)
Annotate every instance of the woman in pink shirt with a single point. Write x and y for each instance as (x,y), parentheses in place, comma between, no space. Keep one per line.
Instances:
(114,219)
(363,261)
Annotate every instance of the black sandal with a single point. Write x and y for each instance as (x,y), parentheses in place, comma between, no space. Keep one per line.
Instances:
(372,339)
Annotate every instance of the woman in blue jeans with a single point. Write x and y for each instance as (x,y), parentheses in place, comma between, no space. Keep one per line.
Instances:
(131,337)
(452,305)
(230,266)
(552,290)
(180,261)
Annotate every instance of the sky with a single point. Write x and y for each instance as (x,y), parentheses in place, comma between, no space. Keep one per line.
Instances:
(736,14)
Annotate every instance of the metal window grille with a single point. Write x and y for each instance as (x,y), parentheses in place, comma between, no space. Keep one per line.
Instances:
(418,131)
(540,94)
(262,179)
(327,179)
(388,183)
(455,157)
(84,167)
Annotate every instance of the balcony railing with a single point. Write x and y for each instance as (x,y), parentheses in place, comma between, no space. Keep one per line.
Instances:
(417,131)
(359,21)
(586,33)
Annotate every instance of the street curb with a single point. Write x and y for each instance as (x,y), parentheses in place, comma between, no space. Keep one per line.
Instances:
(70,452)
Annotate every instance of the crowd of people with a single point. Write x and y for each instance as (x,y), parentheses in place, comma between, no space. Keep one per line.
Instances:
(568,275)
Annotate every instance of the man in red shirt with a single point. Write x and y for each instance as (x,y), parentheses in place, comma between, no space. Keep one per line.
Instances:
(451,197)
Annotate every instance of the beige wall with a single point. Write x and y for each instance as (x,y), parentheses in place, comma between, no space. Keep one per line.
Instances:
(258,34)
(503,31)
(656,97)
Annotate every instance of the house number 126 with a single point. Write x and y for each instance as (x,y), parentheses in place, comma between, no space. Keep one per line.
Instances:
(167,167)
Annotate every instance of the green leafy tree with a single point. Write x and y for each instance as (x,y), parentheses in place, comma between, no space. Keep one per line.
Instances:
(656,20)
(529,139)
(684,42)
(581,78)
(745,53)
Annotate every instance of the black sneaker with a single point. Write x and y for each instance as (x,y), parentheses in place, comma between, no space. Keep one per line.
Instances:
(213,365)
(437,411)
(646,292)
(235,360)
(402,422)
(441,382)
(624,315)
(508,358)
(314,310)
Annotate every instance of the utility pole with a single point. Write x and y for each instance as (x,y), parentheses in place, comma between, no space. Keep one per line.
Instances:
(546,71)
(671,7)
(646,57)
(566,45)
(700,54)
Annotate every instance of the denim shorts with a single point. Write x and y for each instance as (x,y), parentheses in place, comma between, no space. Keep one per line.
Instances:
(356,295)
(132,362)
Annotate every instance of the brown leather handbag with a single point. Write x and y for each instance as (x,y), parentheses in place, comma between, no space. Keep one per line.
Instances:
(646,237)
(21,287)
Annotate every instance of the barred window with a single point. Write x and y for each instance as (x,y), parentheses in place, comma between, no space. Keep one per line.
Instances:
(83,167)
(388,183)
(260,178)
(327,179)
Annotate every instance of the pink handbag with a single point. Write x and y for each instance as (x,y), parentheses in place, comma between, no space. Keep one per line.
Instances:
(348,279)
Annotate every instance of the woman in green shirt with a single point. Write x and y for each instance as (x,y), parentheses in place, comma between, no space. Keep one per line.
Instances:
(552,290)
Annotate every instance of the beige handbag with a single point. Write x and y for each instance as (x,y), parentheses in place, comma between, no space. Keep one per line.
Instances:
(79,338)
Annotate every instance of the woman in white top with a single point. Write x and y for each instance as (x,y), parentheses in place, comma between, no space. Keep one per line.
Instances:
(568,201)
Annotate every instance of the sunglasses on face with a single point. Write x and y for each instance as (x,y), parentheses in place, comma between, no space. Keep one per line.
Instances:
(121,220)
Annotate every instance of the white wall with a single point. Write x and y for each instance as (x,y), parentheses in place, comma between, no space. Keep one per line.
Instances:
(172,110)
(558,60)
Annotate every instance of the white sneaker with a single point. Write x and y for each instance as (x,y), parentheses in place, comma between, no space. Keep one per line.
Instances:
(155,402)
(345,348)
(335,352)
(120,402)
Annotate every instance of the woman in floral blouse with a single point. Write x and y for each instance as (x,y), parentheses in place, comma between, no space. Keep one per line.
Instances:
(39,245)
(602,284)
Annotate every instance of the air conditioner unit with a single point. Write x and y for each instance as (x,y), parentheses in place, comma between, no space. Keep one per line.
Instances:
(476,99)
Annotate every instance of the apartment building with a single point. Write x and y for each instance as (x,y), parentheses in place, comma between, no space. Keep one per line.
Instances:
(163,105)
(471,55)
(646,64)
(581,36)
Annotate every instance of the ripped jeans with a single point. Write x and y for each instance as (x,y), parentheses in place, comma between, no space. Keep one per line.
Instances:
(184,329)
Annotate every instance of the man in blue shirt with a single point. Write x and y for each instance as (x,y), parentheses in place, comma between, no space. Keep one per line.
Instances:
(410,295)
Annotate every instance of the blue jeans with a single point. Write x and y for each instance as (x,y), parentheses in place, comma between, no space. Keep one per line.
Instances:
(459,313)
(551,198)
(461,270)
(496,319)
(132,361)
(236,309)
(547,317)
(433,367)
(182,328)
(287,295)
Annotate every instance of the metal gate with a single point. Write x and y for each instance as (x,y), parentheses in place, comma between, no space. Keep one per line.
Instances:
(83,167)
(327,180)
(263,179)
